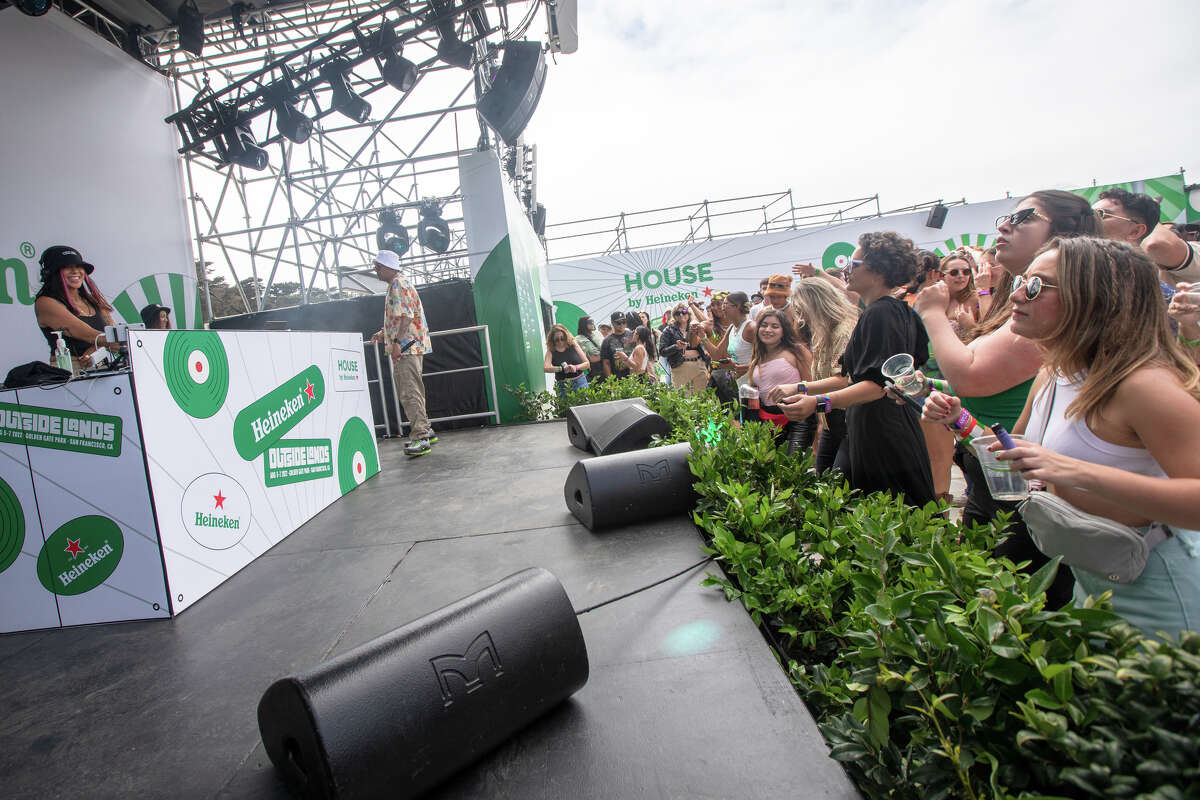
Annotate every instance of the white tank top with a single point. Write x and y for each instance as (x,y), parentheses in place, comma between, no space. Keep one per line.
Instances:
(1073,438)
(741,348)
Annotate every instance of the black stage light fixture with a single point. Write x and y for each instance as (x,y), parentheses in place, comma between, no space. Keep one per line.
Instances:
(937,216)
(450,49)
(345,101)
(399,71)
(288,119)
(391,234)
(239,145)
(191,27)
(433,232)
(34,8)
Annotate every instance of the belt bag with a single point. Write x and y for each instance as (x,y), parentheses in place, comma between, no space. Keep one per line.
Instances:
(1092,543)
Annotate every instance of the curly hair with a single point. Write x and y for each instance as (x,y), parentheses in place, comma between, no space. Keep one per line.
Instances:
(890,256)
(1141,207)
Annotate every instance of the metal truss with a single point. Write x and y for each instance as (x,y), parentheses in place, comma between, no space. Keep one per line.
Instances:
(706,220)
(310,218)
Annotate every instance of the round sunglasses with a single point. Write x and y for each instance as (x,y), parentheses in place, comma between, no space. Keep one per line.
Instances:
(1033,286)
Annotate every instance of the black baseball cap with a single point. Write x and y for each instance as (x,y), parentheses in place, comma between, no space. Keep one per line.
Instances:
(149,314)
(59,256)
(617,316)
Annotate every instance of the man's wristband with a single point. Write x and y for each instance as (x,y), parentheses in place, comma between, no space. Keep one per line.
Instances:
(824,403)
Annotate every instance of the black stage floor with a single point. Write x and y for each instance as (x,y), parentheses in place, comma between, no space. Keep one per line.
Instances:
(685,700)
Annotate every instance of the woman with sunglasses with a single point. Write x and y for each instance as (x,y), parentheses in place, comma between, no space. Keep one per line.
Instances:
(993,374)
(956,270)
(884,449)
(589,341)
(1116,408)
(680,343)
(565,360)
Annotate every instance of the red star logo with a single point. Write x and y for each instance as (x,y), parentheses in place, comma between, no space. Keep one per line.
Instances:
(707,292)
(220,499)
(309,390)
(73,548)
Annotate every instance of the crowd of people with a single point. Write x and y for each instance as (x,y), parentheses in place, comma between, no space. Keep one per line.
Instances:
(1079,328)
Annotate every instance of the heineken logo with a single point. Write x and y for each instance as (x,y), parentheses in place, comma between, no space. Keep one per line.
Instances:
(80,555)
(215,511)
(296,460)
(348,372)
(20,282)
(59,429)
(670,276)
(266,420)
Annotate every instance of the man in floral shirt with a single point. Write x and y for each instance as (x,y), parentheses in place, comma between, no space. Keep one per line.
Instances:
(407,339)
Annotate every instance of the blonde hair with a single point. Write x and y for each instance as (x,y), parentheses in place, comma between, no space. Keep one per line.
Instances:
(825,309)
(558,327)
(967,296)
(1113,322)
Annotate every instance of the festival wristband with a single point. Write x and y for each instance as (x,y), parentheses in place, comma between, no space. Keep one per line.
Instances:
(824,404)
(961,422)
(1189,342)
(939,385)
(984,292)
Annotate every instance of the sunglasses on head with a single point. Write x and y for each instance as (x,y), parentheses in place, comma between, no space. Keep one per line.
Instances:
(1033,286)
(1017,217)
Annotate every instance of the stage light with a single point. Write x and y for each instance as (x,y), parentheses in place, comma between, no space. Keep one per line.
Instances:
(344,101)
(191,27)
(391,234)
(34,8)
(433,232)
(450,49)
(399,71)
(288,119)
(239,145)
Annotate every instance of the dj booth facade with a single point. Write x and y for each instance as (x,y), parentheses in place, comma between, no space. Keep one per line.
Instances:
(131,495)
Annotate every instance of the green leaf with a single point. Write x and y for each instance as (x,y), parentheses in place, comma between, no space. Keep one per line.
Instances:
(992,624)
(879,706)
(788,541)
(1006,670)
(1040,581)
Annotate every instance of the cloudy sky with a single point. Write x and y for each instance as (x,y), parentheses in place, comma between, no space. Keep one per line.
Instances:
(674,101)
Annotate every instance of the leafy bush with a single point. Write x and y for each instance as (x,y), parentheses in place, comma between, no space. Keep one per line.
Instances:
(934,669)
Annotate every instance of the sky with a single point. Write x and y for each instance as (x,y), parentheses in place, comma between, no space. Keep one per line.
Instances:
(670,102)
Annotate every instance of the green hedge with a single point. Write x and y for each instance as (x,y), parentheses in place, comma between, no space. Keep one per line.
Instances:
(933,669)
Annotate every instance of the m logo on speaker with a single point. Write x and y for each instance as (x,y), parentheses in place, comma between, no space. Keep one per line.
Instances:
(466,667)
(653,473)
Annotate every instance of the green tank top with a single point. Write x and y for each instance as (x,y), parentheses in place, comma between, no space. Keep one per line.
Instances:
(1003,408)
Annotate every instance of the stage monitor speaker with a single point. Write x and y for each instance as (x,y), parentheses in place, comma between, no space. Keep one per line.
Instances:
(509,104)
(631,428)
(401,713)
(584,421)
(631,487)
(937,216)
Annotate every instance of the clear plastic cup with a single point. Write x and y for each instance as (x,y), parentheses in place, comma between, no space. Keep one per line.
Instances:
(901,370)
(1004,482)
(1190,292)
(749,401)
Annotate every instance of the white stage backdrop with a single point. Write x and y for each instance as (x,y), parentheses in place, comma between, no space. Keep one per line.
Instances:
(88,162)
(654,280)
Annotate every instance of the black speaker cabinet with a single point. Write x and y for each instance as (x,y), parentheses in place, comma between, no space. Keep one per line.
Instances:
(631,487)
(402,712)
(583,422)
(509,104)
(937,216)
(631,428)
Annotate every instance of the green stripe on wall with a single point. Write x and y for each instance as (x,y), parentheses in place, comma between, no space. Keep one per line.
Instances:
(150,287)
(178,299)
(129,312)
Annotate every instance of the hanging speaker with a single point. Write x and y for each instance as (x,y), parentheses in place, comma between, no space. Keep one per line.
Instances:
(516,89)
(937,216)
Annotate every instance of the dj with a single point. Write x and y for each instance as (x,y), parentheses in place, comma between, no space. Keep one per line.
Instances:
(70,302)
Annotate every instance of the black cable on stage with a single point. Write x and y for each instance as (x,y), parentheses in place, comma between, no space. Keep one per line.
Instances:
(644,588)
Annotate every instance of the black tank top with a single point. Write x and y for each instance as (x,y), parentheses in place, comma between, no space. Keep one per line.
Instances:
(77,347)
(565,357)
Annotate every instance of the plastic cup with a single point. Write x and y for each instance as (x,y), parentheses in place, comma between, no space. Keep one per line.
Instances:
(1004,482)
(901,370)
(749,401)
(1190,292)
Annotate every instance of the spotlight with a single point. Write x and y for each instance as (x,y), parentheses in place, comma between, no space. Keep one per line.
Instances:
(399,71)
(239,144)
(391,234)
(450,49)
(288,119)
(433,232)
(191,27)
(344,100)
(34,8)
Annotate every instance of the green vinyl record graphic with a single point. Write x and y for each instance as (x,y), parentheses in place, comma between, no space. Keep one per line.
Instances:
(80,555)
(12,526)
(197,371)
(356,457)
(837,255)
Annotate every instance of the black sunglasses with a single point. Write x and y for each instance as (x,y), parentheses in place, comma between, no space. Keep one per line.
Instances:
(956,272)
(1017,217)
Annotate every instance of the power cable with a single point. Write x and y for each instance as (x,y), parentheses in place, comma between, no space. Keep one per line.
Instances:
(683,571)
